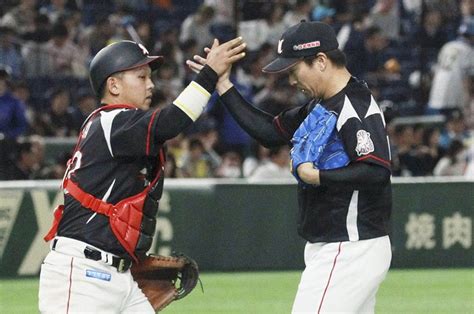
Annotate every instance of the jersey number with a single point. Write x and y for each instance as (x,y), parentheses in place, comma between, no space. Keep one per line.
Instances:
(74,164)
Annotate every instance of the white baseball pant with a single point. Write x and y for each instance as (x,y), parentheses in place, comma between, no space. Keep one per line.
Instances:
(342,277)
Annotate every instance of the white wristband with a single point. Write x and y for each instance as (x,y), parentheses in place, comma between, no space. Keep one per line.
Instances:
(192,100)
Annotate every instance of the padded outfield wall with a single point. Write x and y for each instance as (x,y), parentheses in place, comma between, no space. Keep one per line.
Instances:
(233,225)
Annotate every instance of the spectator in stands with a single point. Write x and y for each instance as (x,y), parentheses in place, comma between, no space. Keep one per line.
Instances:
(470,162)
(171,167)
(224,11)
(450,88)
(454,129)
(189,48)
(276,168)
(371,61)
(265,30)
(34,49)
(21,91)
(168,80)
(430,37)
(55,9)
(9,53)
(278,95)
(231,136)
(258,157)
(196,163)
(98,35)
(322,13)
(386,16)
(57,169)
(300,11)
(231,166)
(405,162)
(66,57)
(13,121)
(209,138)
(86,103)
(21,18)
(26,164)
(57,121)
(198,26)
(454,163)
(274,22)
(430,151)
(351,38)
(145,32)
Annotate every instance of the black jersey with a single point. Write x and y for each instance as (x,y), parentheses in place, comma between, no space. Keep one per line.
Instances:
(337,213)
(116,150)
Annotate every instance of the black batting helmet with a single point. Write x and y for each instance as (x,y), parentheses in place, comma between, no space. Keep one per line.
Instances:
(117,57)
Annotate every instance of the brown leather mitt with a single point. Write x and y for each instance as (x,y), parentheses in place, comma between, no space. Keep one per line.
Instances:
(164,279)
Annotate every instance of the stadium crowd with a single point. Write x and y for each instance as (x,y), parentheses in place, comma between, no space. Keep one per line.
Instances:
(399,47)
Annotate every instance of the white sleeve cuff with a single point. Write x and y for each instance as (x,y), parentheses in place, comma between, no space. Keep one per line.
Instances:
(192,100)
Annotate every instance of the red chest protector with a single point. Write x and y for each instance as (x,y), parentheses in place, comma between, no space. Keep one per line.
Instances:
(133,219)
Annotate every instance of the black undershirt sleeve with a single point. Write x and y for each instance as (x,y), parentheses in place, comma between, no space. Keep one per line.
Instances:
(257,123)
(171,120)
(357,175)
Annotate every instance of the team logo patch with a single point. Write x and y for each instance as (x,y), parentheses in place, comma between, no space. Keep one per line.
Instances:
(279,49)
(309,45)
(98,275)
(364,143)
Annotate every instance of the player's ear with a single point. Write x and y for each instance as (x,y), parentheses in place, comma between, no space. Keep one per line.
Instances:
(113,85)
(321,61)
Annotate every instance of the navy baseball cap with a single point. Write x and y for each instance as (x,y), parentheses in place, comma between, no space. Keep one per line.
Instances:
(302,40)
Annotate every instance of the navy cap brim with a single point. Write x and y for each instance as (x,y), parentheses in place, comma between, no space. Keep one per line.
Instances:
(280,65)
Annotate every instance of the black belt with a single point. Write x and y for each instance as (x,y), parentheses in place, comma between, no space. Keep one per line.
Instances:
(122,264)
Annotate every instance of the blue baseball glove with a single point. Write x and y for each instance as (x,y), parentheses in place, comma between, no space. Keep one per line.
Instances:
(316,141)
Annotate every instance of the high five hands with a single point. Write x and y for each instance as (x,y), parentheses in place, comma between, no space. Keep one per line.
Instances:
(220,58)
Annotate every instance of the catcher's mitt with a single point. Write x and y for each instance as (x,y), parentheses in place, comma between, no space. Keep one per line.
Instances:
(164,279)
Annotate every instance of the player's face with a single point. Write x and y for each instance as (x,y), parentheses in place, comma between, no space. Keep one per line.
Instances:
(136,87)
(307,79)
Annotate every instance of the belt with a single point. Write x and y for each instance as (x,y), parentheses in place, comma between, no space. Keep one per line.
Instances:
(81,249)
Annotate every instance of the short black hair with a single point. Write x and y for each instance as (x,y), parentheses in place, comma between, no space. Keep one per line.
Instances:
(337,57)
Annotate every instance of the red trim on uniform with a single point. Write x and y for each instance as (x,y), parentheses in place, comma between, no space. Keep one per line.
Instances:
(330,275)
(149,132)
(385,162)
(280,128)
(70,285)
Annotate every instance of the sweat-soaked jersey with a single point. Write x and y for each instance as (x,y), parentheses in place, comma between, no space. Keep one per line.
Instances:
(336,213)
(116,150)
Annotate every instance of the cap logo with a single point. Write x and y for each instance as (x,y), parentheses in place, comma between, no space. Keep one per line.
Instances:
(280,43)
(145,52)
(309,45)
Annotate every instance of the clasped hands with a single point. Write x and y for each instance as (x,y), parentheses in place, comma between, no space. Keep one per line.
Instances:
(220,58)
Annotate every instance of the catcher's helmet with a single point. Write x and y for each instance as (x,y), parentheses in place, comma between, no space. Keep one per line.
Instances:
(117,57)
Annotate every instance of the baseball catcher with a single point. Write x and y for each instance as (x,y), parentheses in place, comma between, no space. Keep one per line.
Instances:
(101,235)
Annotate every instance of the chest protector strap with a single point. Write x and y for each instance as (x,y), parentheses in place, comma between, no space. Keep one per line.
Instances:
(132,220)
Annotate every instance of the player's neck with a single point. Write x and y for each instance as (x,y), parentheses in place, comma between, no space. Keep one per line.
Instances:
(110,100)
(340,77)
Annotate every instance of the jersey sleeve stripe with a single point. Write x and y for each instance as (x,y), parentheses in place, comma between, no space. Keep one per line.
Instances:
(148,136)
(370,156)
